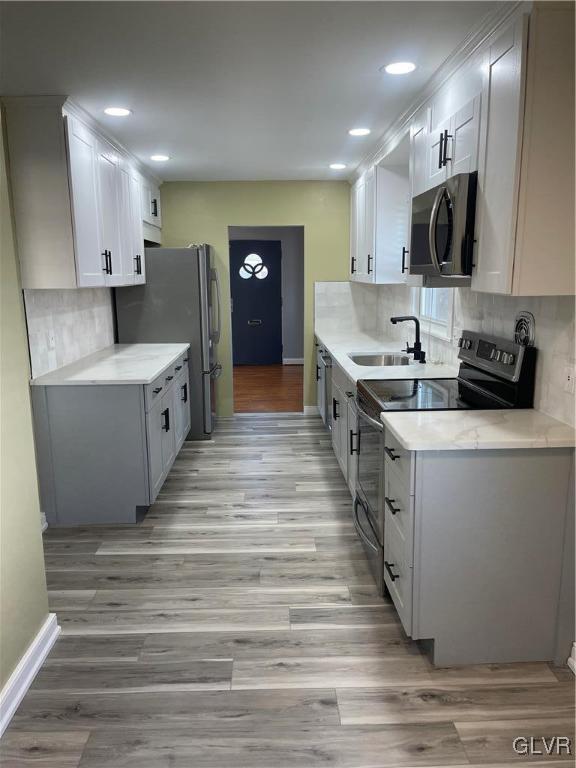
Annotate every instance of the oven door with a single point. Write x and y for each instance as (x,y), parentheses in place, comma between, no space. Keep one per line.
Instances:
(442,228)
(373,548)
(370,462)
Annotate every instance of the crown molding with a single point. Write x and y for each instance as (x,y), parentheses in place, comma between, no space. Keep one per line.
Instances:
(491,24)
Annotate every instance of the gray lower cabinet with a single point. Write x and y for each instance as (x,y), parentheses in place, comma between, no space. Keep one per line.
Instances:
(104,451)
(473,545)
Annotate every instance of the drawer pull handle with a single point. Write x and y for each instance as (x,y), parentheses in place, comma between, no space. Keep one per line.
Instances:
(389,566)
(169,378)
(391,453)
(185,360)
(178,367)
(352,449)
(157,389)
(390,505)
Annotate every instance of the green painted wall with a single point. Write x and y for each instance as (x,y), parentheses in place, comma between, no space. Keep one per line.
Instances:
(23,598)
(203,211)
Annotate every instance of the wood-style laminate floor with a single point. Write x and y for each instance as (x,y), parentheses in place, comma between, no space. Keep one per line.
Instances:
(238,626)
(268,388)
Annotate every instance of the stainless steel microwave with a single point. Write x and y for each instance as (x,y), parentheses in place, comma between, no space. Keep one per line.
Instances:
(442,228)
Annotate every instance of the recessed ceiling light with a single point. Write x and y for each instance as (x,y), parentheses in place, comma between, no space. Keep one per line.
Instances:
(400,68)
(359,131)
(337,166)
(118,111)
(159,158)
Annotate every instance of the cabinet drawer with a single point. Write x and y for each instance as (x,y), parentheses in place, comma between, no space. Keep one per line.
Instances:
(399,461)
(154,391)
(399,512)
(398,577)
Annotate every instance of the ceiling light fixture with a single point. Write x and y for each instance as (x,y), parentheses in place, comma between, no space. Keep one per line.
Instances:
(359,131)
(118,111)
(337,166)
(400,68)
(159,158)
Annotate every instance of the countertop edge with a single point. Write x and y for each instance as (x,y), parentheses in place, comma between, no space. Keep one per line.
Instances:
(44,379)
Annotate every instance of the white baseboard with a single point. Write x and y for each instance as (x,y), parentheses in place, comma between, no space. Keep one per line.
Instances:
(572,659)
(292,361)
(27,669)
(43,521)
(311,410)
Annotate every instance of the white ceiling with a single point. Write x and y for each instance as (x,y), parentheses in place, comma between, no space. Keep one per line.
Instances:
(234,90)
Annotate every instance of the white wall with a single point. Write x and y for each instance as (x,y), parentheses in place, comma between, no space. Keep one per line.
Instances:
(292,240)
(64,326)
(369,308)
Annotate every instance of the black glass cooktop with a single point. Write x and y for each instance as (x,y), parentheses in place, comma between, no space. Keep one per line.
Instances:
(413,394)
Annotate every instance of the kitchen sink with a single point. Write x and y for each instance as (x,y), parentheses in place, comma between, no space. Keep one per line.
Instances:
(380,360)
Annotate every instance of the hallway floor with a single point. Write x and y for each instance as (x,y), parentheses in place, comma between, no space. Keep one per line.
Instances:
(238,625)
(268,388)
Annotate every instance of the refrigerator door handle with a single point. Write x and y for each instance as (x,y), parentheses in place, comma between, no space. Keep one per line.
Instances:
(204,308)
(216,332)
(207,398)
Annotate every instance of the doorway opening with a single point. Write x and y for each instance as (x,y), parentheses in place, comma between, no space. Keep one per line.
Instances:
(267,301)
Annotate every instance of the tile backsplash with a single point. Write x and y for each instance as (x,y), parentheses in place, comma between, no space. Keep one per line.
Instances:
(65,325)
(369,308)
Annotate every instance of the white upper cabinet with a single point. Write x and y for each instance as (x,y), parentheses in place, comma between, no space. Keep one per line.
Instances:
(91,263)
(380,204)
(77,199)
(419,153)
(452,146)
(151,210)
(525,210)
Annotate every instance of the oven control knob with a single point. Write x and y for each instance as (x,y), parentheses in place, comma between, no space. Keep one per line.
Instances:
(468,343)
(498,356)
(508,358)
(493,353)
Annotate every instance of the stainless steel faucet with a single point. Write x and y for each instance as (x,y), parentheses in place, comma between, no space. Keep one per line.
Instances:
(416,350)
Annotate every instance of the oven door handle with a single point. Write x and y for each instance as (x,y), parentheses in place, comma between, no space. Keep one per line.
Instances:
(358,526)
(432,228)
(376,424)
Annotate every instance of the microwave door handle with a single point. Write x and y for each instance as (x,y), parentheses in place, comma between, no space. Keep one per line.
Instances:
(432,229)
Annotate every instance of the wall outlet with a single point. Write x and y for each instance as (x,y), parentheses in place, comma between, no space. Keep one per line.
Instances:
(569,379)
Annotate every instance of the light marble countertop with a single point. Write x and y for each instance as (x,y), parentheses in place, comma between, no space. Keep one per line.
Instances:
(476,430)
(341,344)
(117,364)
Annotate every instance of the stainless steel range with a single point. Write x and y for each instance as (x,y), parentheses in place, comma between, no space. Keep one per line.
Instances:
(494,373)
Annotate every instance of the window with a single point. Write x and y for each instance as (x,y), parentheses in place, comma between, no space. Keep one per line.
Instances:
(435,307)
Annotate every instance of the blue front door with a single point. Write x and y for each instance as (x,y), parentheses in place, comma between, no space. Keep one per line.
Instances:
(256,288)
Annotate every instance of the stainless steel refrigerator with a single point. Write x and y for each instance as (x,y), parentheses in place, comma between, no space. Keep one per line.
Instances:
(180,301)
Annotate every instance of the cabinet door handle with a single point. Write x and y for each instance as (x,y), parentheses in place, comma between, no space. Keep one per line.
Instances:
(105,267)
(138,267)
(335,404)
(389,566)
(441,152)
(405,252)
(317,373)
(353,265)
(166,415)
(184,397)
(390,505)
(391,453)
(445,159)
(370,258)
(352,449)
